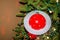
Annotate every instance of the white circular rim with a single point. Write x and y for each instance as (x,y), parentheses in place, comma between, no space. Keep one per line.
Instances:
(41,31)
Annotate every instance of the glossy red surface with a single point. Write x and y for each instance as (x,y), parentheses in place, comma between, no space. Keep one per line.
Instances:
(37,21)
(32,36)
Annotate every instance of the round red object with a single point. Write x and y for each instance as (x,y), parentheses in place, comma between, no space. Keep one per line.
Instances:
(37,21)
(32,36)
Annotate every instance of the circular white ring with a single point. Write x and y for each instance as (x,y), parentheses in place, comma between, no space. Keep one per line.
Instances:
(41,31)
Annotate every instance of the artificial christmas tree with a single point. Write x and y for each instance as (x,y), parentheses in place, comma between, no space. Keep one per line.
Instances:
(50,7)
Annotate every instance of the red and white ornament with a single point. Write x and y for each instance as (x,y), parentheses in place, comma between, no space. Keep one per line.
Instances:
(37,22)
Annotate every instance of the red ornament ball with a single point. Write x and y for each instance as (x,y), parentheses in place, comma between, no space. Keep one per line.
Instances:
(32,36)
(37,21)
